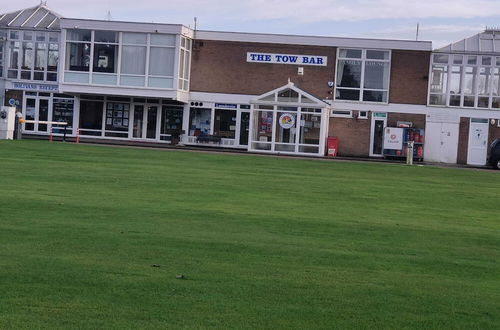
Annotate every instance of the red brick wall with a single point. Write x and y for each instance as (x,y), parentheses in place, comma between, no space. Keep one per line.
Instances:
(353,135)
(221,67)
(409,77)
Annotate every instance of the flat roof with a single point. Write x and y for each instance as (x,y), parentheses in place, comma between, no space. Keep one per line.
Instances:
(93,24)
(314,40)
(70,23)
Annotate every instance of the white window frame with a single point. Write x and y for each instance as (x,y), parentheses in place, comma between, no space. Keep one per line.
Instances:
(495,64)
(363,60)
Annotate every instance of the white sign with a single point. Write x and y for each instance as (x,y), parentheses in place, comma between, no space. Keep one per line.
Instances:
(393,138)
(287,59)
(287,120)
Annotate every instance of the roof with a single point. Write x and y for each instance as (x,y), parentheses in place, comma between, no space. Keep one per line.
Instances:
(487,42)
(314,40)
(38,17)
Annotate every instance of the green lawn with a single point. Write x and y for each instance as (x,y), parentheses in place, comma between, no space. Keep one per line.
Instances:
(265,242)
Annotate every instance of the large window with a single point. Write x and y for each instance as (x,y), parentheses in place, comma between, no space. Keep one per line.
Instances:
(363,75)
(468,81)
(185,63)
(146,59)
(33,55)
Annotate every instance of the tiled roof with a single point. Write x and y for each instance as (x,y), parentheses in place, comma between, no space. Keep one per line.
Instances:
(38,17)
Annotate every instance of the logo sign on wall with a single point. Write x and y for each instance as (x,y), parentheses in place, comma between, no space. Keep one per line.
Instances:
(287,59)
(287,120)
(393,139)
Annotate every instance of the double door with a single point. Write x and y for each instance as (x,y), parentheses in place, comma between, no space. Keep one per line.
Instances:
(37,109)
(145,122)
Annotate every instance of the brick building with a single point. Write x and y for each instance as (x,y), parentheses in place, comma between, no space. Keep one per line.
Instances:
(164,83)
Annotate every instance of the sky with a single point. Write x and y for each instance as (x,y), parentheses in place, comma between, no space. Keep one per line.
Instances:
(440,21)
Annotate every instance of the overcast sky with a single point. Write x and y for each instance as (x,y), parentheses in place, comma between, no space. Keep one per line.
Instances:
(441,21)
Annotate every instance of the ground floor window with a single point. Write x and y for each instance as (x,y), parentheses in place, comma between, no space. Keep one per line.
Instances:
(117,119)
(199,121)
(91,117)
(225,123)
(62,111)
(171,122)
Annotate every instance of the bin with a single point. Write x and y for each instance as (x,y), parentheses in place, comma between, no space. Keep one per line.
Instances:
(332,146)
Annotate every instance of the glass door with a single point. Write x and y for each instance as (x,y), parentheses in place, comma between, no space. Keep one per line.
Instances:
(151,121)
(138,123)
(379,121)
(29,114)
(244,127)
(43,114)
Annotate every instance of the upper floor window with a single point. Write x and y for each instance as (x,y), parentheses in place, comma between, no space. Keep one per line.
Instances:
(122,58)
(363,75)
(33,55)
(468,81)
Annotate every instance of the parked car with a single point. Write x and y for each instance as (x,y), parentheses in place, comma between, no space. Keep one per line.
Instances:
(494,159)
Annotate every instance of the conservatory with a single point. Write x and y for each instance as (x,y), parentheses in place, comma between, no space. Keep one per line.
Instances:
(288,120)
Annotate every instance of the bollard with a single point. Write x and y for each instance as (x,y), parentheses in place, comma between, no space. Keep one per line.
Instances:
(409,153)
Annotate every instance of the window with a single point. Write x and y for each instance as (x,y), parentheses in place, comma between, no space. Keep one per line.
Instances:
(199,121)
(117,119)
(363,75)
(225,123)
(184,63)
(91,117)
(171,121)
(78,57)
(62,111)
(465,81)
(105,51)
(363,115)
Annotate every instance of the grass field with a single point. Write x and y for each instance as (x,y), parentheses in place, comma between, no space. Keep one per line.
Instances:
(265,242)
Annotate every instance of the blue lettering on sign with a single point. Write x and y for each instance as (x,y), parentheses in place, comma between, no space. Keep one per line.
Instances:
(226,105)
(36,87)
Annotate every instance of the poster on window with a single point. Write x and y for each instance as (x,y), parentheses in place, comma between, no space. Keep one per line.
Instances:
(287,120)
(393,138)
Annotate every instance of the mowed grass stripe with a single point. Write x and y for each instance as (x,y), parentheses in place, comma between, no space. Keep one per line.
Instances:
(266,242)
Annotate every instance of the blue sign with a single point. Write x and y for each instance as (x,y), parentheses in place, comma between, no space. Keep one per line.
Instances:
(35,87)
(226,105)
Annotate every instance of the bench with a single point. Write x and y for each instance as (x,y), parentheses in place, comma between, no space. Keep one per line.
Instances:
(206,138)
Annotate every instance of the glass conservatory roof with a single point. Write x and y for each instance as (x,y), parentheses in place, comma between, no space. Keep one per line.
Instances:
(289,93)
(487,42)
(38,17)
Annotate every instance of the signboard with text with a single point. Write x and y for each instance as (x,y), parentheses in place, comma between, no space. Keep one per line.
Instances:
(393,138)
(286,59)
(35,87)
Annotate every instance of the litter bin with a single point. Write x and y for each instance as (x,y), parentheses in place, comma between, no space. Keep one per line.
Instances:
(332,146)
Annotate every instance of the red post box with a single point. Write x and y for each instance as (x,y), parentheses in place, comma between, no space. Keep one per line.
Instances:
(332,146)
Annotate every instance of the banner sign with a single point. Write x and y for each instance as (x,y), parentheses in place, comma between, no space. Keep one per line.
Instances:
(393,138)
(35,87)
(287,59)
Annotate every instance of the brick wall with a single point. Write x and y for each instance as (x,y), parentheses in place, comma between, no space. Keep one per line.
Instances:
(409,77)
(463,140)
(353,135)
(221,67)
